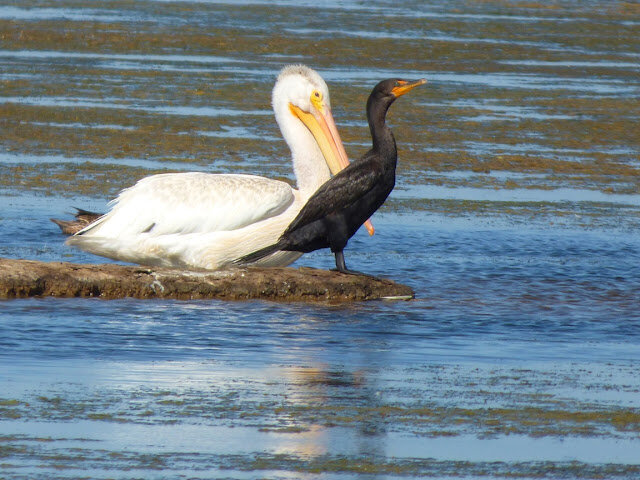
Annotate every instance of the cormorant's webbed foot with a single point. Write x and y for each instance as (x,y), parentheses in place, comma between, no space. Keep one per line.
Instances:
(342,267)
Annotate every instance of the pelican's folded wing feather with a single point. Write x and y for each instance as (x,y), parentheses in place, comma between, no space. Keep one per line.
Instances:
(192,202)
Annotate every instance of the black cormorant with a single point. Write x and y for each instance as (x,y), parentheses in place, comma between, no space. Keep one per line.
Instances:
(333,214)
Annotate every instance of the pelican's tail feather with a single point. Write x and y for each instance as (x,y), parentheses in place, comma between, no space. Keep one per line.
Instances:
(83,219)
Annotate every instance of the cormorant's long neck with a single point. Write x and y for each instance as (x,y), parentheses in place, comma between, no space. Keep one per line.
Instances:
(381,135)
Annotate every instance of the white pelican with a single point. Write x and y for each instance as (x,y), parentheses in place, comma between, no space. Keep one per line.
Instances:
(206,221)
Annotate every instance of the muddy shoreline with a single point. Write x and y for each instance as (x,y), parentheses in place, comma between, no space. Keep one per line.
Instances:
(27,278)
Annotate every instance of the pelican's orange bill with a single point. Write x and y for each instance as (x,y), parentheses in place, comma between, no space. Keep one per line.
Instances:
(324,131)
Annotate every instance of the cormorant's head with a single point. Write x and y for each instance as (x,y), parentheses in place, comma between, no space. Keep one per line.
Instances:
(395,87)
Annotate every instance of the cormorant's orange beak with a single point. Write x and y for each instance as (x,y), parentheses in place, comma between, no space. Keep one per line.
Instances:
(403,86)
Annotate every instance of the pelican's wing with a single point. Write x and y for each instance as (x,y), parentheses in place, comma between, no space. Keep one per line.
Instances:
(338,192)
(192,202)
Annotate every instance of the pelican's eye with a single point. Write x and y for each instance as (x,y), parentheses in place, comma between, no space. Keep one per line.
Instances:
(316,100)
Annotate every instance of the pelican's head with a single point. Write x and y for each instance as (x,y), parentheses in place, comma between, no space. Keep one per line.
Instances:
(300,85)
(303,110)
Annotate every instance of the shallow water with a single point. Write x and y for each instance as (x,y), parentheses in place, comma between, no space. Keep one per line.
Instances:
(514,219)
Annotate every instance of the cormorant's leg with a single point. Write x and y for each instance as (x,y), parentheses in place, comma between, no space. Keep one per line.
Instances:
(342,267)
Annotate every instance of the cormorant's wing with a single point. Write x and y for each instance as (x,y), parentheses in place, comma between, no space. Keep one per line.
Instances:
(338,192)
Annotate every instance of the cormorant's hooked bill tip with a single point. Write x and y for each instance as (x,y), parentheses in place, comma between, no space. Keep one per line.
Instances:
(404,86)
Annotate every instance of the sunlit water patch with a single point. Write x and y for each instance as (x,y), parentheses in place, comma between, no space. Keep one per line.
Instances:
(417,35)
(139,163)
(82,125)
(238,132)
(496,80)
(123,104)
(572,64)
(129,57)
(561,153)
(515,195)
(75,14)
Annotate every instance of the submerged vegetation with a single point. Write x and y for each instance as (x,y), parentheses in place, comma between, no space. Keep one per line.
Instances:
(263,402)
(546,107)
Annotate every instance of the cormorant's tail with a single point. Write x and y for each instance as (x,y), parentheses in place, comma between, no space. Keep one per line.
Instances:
(257,255)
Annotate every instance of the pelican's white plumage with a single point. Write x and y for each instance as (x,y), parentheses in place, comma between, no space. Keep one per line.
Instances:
(200,220)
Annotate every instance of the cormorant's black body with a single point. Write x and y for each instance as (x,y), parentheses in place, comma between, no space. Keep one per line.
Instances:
(341,205)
